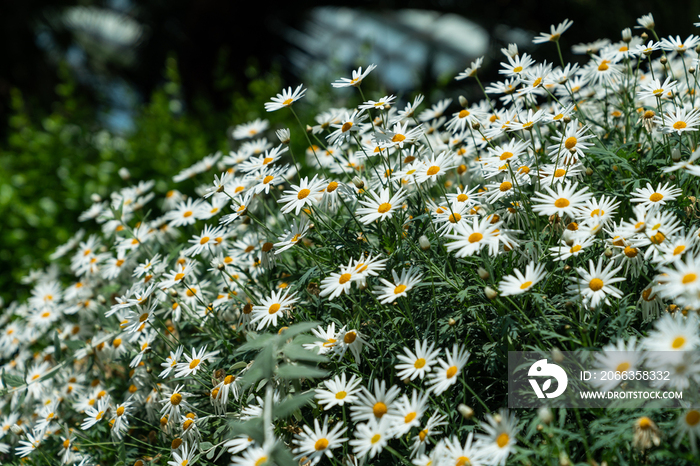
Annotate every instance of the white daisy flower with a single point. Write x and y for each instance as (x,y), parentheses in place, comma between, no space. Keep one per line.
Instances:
(595,284)
(519,283)
(419,363)
(448,373)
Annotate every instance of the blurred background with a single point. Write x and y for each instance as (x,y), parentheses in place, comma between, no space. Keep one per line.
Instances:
(89,87)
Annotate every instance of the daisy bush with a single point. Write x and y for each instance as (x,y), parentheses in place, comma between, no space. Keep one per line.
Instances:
(345,290)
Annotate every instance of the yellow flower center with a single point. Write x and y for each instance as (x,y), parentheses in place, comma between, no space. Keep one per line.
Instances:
(350,337)
(656,197)
(175,399)
(526,285)
(194,363)
(340,395)
(384,208)
(517,69)
(274,308)
(346,126)
(454,218)
(287,102)
(451,372)
(658,238)
(678,250)
(262,460)
(505,186)
(475,237)
(433,170)
(631,252)
(645,423)
(400,289)
(267,179)
(559,172)
(679,125)
(409,417)
(187,214)
(575,248)
(321,444)
(375,438)
(463,461)
(120,411)
(623,367)
(502,440)
(420,362)
(692,418)
(379,409)
(463,113)
(398,138)
(603,66)
(561,203)
(689,278)
(462,198)
(344,278)
(595,284)
(303,193)
(332,186)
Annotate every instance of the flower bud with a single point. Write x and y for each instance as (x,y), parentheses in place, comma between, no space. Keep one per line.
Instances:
(451,322)
(691,70)
(490,292)
(557,355)
(663,60)
(463,101)
(476,125)
(545,414)
(644,36)
(567,119)
(483,273)
(465,411)
(675,154)
(627,35)
(283,135)
(424,242)
(589,171)
(124,173)
(95,197)
(608,253)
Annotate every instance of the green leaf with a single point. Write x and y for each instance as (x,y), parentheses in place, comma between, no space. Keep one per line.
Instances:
(296,329)
(57,346)
(308,273)
(253,428)
(290,405)
(74,344)
(299,353)
(282,457)
(261,369)
(298,371)
(260,341)
(14,380)
(238,365)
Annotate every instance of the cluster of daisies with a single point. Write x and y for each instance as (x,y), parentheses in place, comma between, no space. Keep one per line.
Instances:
(129,338)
